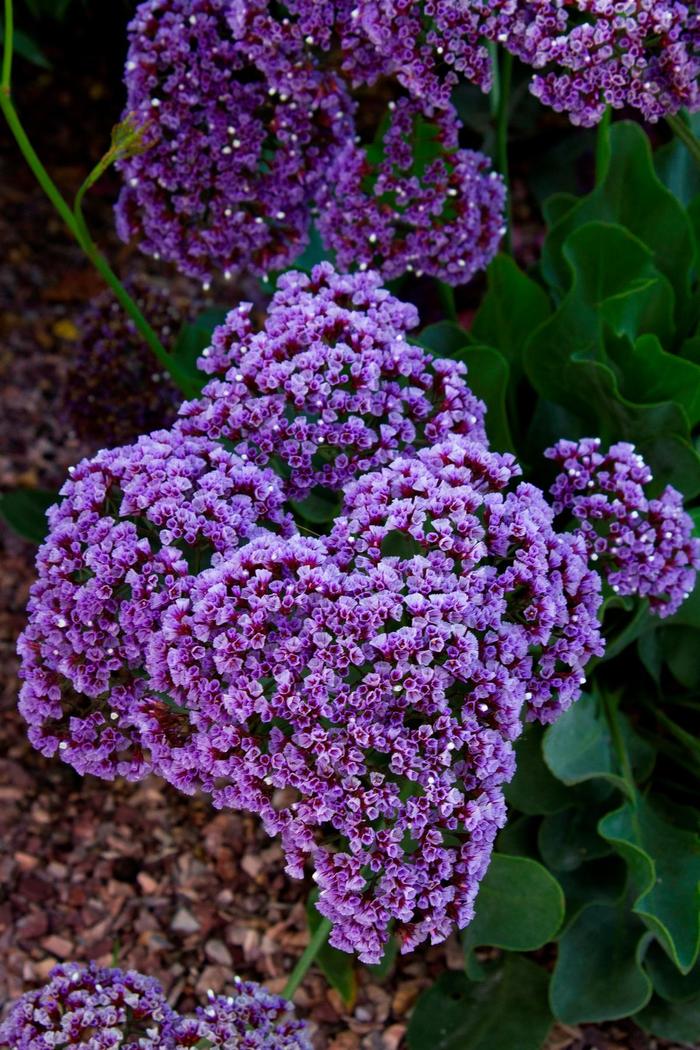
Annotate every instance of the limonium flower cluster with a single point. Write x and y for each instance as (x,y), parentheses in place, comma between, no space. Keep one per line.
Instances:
(245,126)
(642,545)
(360,690)
(109,1009)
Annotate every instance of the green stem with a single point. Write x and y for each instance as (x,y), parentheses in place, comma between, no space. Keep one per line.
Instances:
(503,75)
(300,970)
(74,220)
(681,130)
(9,47)
(446,295)
(602,146)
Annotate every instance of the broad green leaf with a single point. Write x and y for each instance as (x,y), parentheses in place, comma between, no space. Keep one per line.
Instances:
(682,654)
(381,970)
(597,882)
(512,308)
(598,975)
(677,169)
(507,1011)
(632,196)
(533,789)
(568,839)
(192,340)
(24,510)
(648,374)
(664,866)
(444,338)
(488,378)
(578,747)
(337,967)
(679,1022)
(668,982)
(520,906)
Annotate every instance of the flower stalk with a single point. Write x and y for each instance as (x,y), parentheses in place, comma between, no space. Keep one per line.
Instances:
(299,972)
(73,218)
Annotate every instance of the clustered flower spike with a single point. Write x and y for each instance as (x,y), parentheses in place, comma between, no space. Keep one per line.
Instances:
(458,498)
(381,698)
(423,205)
(235,137)
(92,1008)
(95,1008)
(252,1018)
(639,53)
(641,545)
(113,391)
(133,523)
(330,387)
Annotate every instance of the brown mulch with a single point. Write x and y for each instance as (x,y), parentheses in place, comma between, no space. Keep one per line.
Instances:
(137,874)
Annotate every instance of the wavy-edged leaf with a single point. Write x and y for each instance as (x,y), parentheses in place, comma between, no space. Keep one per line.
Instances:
(598,975)
(24,510)
(488,378)
(519,907)
(507,1011)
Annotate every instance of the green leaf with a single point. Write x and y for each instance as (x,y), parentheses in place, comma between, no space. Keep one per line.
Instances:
(668,982)
(598,974)
(337,967)
(679,1022)
(597,882)
(520,906)
(381,970)
(664,865)
(632,196)
(24,510)
(488,378)
(533,789)
(649,374)
(512,308)
(507,1011)
(444,338)
(27,47)
(578,747)
(568,839)
(677,169)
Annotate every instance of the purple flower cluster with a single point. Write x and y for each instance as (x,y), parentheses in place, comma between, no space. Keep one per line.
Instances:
(91,1008)
(424,205)
(330,387)
(454,498)
(236,132)
(352,710)
(132,526)
(643,546)
(113,392)
(108,1009)
(639,53)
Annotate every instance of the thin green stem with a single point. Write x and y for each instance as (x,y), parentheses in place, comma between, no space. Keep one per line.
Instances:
(446,295)
(602,146)
(503,75)
(300,970)
(9,47)
(74,220)
(681,130)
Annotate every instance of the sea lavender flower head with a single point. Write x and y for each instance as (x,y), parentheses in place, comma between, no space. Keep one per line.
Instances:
(428,47)
(251,1018)
(330,387)
(643,546)
(462,500)
(417,203)
(92,1008)
(133,523)
(113,390)
(235,134)
(644,54)
(353,710)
